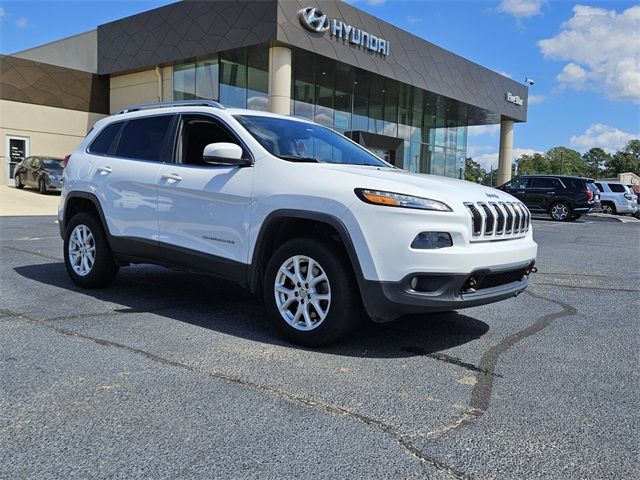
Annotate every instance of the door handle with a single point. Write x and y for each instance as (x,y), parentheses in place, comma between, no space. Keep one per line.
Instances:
(550,193)
(105,170)
(171,177)
(520,191)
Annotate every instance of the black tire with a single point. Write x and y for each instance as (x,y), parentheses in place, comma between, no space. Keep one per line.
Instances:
(345,307)
(104,268)
(576,216)
(42,187)
(18,180)
(560,212)
(608,208)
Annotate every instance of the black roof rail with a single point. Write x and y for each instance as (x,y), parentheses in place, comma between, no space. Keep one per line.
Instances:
(177,103)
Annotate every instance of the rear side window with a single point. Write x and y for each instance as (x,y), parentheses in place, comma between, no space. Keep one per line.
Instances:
(103,142)
(143,138)
(546,183)
(617,188)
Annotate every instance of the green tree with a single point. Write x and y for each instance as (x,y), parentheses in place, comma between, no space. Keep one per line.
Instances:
(490,178)
(565,161)
(530,164)
(595,161)
(473,172)
(627,160)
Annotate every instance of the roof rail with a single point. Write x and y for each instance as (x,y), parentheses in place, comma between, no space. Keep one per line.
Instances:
(177,103)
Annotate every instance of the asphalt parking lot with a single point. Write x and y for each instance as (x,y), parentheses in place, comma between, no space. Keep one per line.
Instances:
(172,375)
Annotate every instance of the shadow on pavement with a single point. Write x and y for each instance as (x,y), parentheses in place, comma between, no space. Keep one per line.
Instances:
(222,306)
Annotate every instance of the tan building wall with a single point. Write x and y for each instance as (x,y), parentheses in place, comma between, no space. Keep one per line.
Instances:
(50,130)
(140,87)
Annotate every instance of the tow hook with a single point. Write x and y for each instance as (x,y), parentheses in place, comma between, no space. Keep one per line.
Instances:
(528,272)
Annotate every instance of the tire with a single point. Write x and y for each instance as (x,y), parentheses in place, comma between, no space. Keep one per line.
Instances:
(85,232)
(42,188)
(560,212)
(330,310)
(18,180)
(608,208)
(576,216)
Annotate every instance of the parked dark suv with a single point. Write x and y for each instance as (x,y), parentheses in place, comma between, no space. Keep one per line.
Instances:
(563,198)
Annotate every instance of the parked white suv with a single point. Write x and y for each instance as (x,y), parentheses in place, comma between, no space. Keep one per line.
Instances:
(290,209)
(616,197)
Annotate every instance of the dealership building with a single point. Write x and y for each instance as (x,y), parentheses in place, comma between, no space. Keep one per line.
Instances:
(404,98)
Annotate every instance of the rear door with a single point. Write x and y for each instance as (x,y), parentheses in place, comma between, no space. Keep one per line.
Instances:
(543,192)
(204,209)
(127,157)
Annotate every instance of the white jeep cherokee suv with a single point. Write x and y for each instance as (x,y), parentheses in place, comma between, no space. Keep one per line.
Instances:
(290,209)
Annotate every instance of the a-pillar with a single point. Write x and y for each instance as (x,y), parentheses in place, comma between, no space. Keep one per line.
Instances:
(280,80)
(505,155)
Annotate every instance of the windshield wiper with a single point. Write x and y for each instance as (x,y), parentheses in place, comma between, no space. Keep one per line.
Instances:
(296,158)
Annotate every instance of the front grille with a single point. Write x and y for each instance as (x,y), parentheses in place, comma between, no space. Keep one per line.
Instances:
(498,220)
(502,278)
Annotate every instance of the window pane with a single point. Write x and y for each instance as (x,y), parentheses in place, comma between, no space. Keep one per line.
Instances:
(617,188)
(184,82)
(258,78)
(143,138)
(233,86)
(105,138)
(207,72)
(543,183)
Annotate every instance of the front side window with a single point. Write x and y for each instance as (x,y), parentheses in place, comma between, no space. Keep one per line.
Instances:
(197,133)
(599,186)
(517,184)
(143,138)
(306,142)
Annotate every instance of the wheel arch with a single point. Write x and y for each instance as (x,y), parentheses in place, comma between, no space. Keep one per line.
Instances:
(76,202)
(287,223)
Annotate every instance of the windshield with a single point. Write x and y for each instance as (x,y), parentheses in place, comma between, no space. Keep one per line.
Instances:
(52,164)
(306,142)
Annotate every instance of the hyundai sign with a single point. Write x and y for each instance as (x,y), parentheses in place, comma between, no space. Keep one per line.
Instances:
(315,20)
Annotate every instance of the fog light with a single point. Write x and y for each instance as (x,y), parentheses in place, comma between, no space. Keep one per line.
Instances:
(432,240)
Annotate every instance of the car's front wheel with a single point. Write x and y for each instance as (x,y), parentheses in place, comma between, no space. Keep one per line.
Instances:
(560,211)
(18,180)
(310,292)
(42,187)
(87,255)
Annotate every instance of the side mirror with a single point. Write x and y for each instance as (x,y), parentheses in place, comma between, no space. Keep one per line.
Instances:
(223,153)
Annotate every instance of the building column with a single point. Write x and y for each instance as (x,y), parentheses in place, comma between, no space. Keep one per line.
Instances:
(505,155)
(280,80)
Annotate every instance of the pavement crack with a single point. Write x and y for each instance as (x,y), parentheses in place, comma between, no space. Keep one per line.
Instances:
(394,432)
(584,287)
(447,359)
(483,389)
(43,255)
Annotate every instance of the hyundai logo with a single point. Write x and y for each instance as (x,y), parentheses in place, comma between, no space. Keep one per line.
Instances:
(313,19)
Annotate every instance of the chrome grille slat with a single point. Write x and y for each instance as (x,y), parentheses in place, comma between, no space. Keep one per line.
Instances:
(498,220)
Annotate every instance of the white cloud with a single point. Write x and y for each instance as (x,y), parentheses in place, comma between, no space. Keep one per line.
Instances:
(602,48)
(2,12)
(521,8)
(490,160)
(22,22)
(375,2)
(536,99)
(413,20)
(599,135)
(477,130)
(508,75)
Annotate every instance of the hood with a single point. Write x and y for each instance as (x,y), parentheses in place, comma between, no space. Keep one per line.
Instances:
(449,190)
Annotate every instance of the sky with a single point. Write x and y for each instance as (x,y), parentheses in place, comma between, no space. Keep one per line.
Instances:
(583,56)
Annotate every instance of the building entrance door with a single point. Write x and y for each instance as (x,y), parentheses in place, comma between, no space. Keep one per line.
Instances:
(17,149)
(383,154)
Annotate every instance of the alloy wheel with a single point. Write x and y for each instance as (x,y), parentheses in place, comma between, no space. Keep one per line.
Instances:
(82,250)
(302,292)
(560,211)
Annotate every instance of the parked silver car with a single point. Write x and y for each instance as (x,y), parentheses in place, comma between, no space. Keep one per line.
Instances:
(616,197)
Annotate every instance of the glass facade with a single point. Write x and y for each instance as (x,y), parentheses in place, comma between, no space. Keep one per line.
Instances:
(432,129)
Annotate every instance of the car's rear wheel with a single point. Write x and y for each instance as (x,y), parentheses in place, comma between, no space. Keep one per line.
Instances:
(87,255)
(608,208)
(18,181)
(42,187)
(310,292)
(560,211)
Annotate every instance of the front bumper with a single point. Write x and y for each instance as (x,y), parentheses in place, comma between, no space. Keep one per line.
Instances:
(386,301)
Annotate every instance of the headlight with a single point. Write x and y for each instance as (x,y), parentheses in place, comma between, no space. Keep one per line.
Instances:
(391,199)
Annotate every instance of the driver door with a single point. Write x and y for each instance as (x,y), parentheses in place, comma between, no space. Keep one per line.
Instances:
(204,209)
